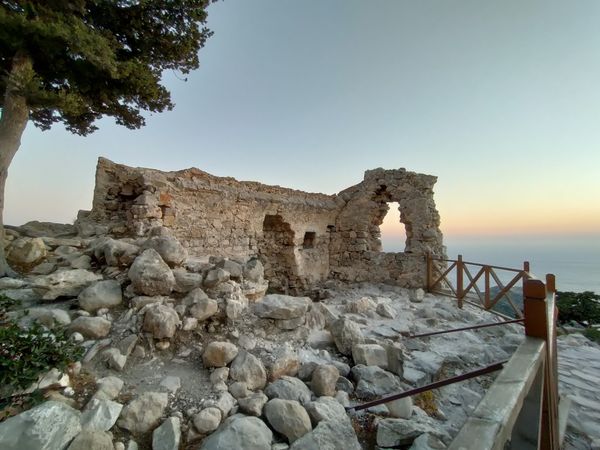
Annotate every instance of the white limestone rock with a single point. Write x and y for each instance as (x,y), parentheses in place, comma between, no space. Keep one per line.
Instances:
(168,435)
(219,354)
(150,275)
(289,388)
(288,417)
(102,294)
(26,251)
(143,413)
(92,440)
(169,249)
(162,321)
(66,283)
(370,355)
(346,334)
(49,426)
(207,420)
(324,380)
(282,307)
(240,432)
(248,368)
(100,415)
(91,327)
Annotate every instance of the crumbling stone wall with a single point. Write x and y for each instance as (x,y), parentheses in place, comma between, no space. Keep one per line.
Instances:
(302,238)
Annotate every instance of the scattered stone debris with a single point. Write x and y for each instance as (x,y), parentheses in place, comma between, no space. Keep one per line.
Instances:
(192,352)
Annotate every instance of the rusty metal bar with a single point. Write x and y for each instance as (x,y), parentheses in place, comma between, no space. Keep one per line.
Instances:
(474,327)
(428,387)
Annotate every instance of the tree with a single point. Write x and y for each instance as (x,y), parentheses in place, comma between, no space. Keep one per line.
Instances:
(75,61)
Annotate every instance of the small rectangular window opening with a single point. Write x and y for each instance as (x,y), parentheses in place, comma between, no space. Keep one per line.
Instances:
(309,239)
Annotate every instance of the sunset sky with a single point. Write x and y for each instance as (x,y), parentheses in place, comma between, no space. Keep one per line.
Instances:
(500,100)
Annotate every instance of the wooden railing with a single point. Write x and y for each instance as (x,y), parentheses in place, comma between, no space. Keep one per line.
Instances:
(458,278)
(521,408)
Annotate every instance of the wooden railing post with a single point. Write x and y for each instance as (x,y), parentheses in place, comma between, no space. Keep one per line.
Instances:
(540,323)
(486,293)
(460,293)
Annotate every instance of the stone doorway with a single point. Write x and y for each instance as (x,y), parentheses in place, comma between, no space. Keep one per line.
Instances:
(276,251)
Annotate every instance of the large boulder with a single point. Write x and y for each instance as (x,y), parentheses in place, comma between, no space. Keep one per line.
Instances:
(240,432)
(169,248)
(49,426)
(116,253)
(249,369)
(91,327)
(253,404)
(204,308)
(370,355)
(328,435)
(289,388)
(103,294)
(26,252)
(142,414)
(373,381)
(150,275)
(186,281)
(100,415)
(324,380)
(168,435)
(36,228)
(219,354)
(282,307)
(162,321)
(207,420)
(254,271)
(66,283)
(92,440)
(346,334)
(288,417)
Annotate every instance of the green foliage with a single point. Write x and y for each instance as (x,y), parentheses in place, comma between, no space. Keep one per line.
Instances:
(27,354)
(581,307)
(99,57)
(593,334)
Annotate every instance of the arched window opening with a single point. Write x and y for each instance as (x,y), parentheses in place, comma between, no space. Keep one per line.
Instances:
(393,232)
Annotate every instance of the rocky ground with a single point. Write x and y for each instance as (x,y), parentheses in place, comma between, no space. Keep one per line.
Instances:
(190,353)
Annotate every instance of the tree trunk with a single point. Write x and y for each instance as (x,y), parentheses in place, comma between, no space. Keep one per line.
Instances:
(15,114)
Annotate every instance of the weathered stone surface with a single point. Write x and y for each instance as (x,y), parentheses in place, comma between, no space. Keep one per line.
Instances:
(328,435)
(150,275)
(49,317)
(285,362)
(207,420)
(186,281)
(67,283)
(108,388)
(401,432)
(288,417)
(215,277)
(143,413)
(401,408)
(233,268)
(168,435)
(49,426)
(373,381)
(427,442)
(340,237)
(102,294)
(289,388)
(91,327)
(416,295)
(248,368)
(240,432)
(362,305)
(253,270)
(346,334)
(92,440)
(169,249)
(100,415)
(35,228)
(282,307)
(386,310)
(162,321)
(204,308)
(370,355)
(219,354)
(324,380)
(114,359)
(253,404)
(326,408)
(26,252)
(116,253)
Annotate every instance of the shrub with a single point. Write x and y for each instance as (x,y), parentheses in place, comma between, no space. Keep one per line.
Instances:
(580,307)
(593,334)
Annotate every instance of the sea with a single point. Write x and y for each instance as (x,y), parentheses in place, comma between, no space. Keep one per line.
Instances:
(575,261)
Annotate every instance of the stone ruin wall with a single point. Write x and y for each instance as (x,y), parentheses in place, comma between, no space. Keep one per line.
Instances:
(301,238)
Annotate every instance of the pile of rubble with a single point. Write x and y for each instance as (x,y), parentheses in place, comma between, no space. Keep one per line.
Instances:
(191,353)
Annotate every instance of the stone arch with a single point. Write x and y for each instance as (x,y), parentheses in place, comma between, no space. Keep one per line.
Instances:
(276,252)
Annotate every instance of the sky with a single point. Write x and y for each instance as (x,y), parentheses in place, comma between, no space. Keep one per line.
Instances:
(499,100)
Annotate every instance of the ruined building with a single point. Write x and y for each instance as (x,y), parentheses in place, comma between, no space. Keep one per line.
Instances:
(301,238)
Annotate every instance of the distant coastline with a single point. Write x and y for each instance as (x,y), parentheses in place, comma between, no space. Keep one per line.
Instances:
(574,260)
